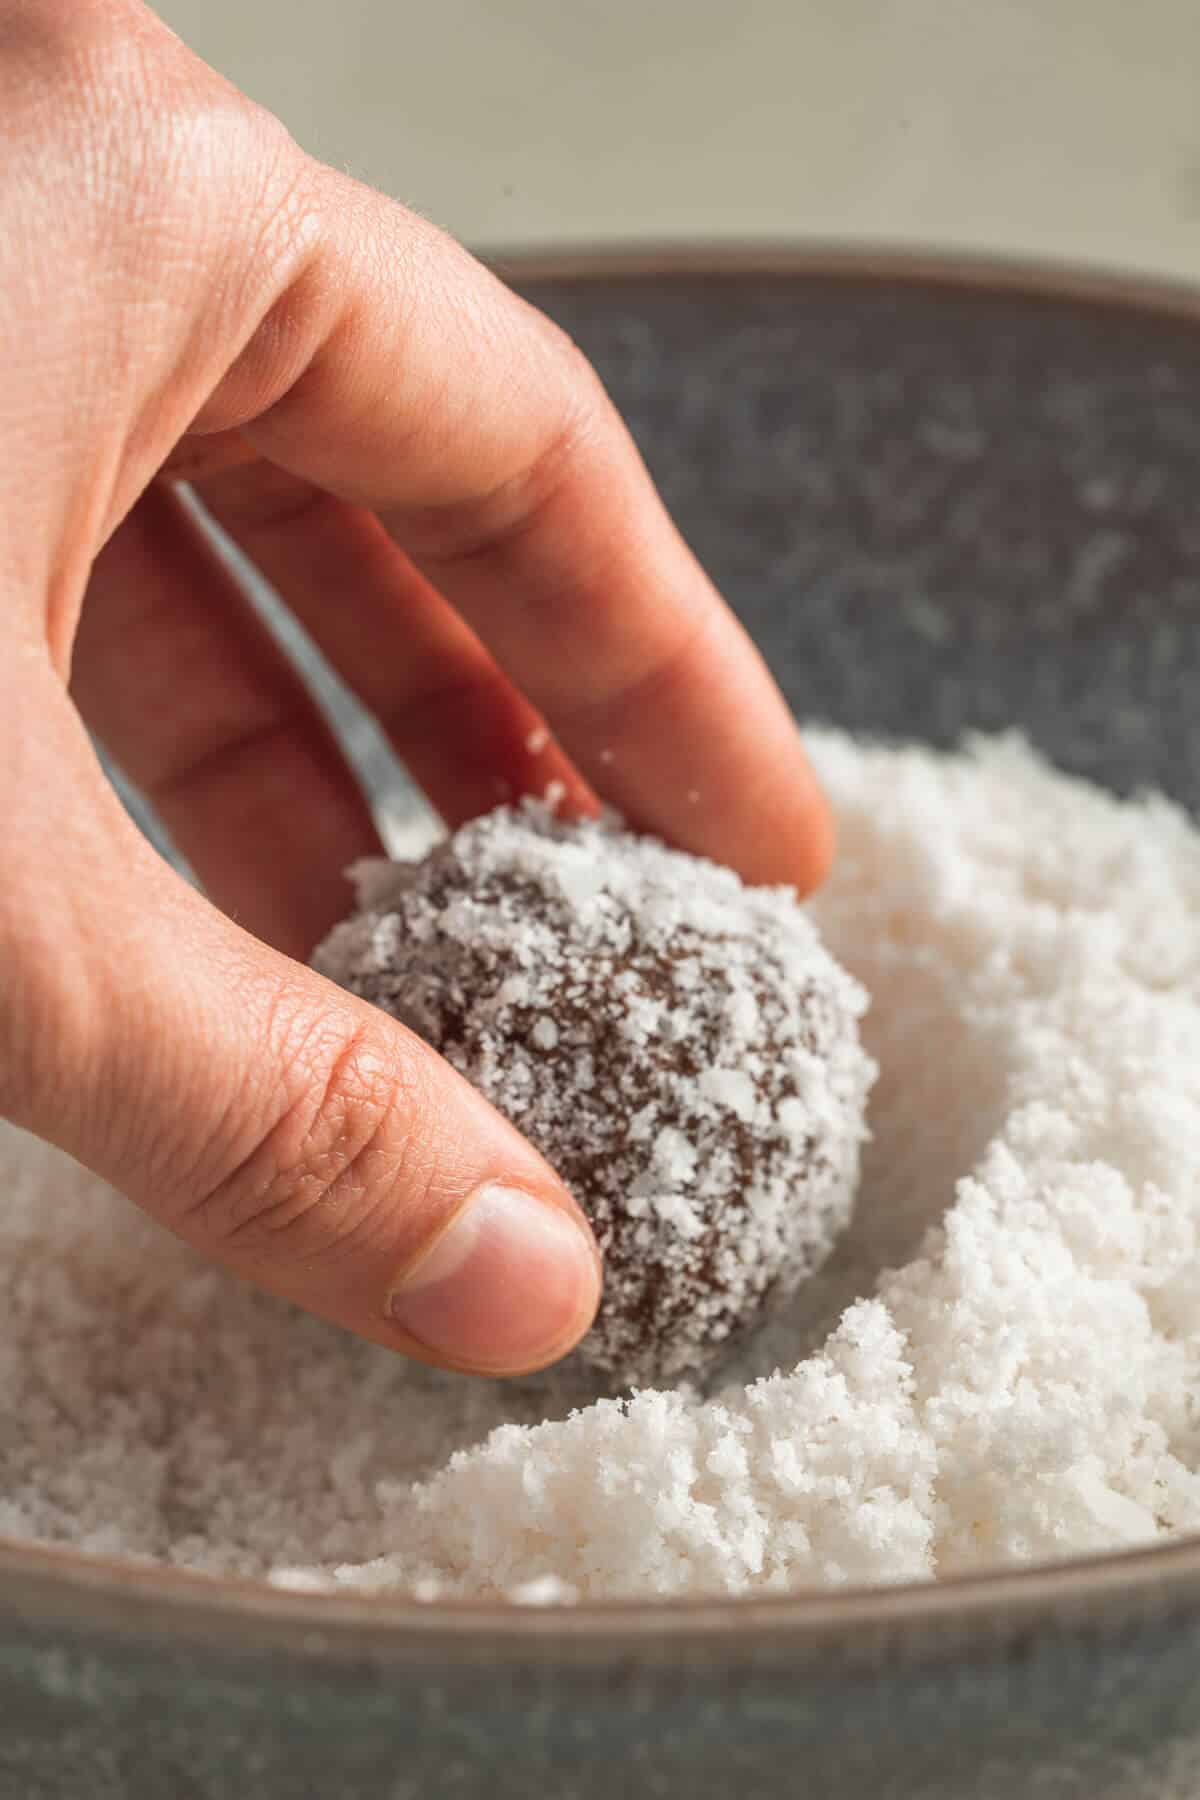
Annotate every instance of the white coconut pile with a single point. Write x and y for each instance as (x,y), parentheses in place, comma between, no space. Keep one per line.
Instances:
(1001,1363)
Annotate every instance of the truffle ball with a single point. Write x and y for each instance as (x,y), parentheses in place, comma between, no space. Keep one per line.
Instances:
(679,1046)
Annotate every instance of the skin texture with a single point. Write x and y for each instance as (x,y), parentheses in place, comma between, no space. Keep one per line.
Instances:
(433,479)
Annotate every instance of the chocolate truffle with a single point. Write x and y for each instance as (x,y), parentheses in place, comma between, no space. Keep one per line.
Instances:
(681,1047)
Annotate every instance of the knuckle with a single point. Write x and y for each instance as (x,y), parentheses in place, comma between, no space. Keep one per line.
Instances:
(584,431)
(583,400)
(576,427)
(222,169)
(340,1151)
(195,173)
(161,144)
(181,208)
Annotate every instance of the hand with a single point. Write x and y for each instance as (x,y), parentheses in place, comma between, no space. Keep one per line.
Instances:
(431,476)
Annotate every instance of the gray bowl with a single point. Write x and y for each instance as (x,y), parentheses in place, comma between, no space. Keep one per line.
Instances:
(942,498)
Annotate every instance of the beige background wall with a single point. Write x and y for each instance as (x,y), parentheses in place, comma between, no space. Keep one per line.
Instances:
(1068,128)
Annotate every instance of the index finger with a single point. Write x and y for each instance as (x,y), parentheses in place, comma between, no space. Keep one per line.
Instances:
(431,393)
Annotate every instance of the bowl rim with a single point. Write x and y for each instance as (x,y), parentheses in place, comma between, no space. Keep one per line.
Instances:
(60,1593)
(1014,278)
(48,1587)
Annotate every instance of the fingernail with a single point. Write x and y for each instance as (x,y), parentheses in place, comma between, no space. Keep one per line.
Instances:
(509,1286)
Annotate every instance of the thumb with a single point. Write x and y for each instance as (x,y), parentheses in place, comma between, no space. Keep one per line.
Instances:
(287,1129)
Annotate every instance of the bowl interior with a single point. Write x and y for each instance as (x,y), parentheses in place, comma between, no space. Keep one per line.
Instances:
(938,505)
(939,501)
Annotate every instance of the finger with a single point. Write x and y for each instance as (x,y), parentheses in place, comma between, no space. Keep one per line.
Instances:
(195,455)
(464,732)
(187,690)
(418,386)
(300,1137)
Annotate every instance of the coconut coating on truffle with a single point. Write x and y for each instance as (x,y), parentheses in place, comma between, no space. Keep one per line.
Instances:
(679,1046)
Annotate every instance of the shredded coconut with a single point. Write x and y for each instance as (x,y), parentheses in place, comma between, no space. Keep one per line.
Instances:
(714,1191)
(1000,1363)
